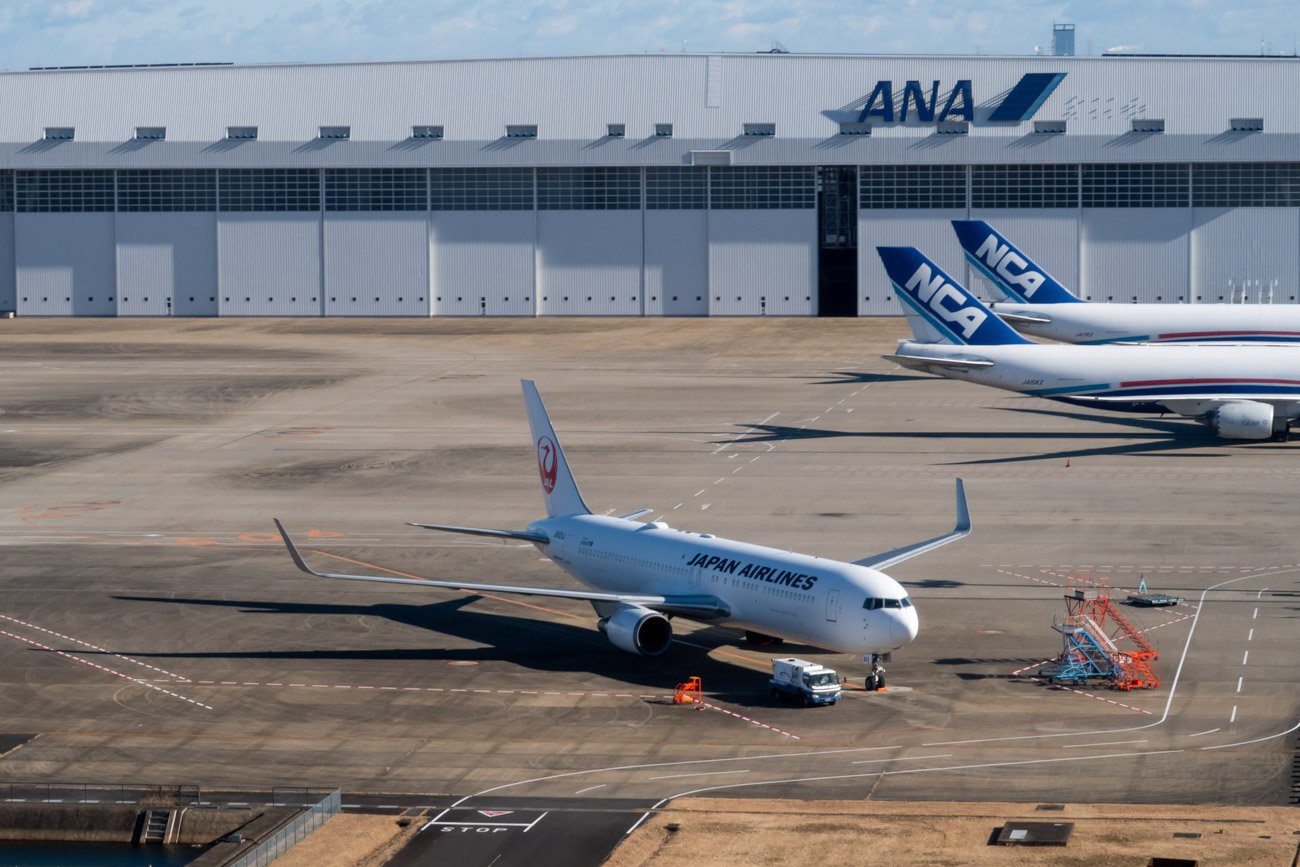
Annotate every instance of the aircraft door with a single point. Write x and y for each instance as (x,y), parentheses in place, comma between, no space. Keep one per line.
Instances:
(833,606)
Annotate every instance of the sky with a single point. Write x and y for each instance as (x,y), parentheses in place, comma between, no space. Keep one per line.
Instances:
(76,32)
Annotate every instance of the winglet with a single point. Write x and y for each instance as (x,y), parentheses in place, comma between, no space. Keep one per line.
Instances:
(1010,271)
(938,306)
(907,552)
(293,550)
(963,510)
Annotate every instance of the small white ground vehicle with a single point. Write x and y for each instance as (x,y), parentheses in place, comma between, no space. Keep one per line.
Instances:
(804,681)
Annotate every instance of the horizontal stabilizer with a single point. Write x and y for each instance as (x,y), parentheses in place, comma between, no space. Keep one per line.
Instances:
(913,361)
(632,516)
(523,535)
(907,552)
(1022,318)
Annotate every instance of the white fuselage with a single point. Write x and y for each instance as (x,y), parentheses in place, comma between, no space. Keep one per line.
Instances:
(794,596)
(1092,322)
(1151,373)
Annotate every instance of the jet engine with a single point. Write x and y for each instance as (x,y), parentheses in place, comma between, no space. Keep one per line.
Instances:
(1242,420)
(638,630)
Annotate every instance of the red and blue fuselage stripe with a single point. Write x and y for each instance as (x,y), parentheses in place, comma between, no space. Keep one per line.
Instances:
(1153,388)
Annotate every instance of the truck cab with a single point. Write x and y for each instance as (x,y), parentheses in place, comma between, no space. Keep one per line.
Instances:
(807,682)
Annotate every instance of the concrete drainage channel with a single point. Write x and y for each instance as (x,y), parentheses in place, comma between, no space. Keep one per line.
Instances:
(230,834)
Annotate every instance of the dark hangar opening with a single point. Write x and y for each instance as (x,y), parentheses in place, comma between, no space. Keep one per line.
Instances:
(837,248)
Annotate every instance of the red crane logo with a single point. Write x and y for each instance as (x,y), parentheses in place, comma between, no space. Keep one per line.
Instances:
(547,462)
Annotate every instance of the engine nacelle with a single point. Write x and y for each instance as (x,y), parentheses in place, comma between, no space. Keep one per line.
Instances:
(638,630)
(1243,420)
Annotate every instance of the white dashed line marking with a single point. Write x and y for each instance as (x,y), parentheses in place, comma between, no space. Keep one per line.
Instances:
(106,670)
(94,647)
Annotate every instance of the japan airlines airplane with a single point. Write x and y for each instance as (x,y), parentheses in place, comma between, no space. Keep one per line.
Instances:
(1040,306)
(642,574)
(1240,392)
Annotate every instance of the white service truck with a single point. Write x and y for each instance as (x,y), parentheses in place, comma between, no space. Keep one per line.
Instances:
(804,681)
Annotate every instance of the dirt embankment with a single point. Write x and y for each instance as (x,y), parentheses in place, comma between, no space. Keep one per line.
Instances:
(725,832)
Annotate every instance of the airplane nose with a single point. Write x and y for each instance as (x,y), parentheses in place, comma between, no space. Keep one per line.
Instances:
(903,626)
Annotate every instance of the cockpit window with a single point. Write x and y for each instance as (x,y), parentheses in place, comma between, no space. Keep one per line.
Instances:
(873,604)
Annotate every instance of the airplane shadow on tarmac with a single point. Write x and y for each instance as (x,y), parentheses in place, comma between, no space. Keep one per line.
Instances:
(529,643)
(854,377)
(1160,437)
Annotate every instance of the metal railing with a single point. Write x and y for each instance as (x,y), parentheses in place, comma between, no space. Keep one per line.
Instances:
(293,831)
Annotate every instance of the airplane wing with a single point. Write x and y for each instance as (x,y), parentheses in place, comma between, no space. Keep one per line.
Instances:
(524,535)
(699,607)
(907,552)
(920,362)
(1022,318)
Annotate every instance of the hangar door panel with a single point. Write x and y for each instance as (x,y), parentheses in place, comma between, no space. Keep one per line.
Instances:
(589,263)
(8,294)
(66,264)
(677,263)
(1049,236)
(1246,244)
(763,262)
(1135,254)
(167,264)
(376,264)
(269,264)
(927,229)
(482,262)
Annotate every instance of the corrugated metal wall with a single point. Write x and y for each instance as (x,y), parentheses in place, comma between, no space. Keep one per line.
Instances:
(1245,244)
(166,264)
(573,97)
(763,262)
(269,264)
(677,263)
(376,264)
(1135,254)
(65,264)
(483,262)
(929,230)
(8,286)
(589,263)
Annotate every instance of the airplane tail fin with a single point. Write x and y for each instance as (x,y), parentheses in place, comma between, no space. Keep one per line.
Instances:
(1010,271)
(939,309)
(558,487)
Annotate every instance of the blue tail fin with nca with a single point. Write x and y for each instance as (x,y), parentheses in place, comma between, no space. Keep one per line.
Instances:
(1013,273)
(939,309)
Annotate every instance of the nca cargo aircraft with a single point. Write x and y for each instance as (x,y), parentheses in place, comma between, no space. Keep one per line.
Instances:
(1039,305)
(642,574)
(1241,392)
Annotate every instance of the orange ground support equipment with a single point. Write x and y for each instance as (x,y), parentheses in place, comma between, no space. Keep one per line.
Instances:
(690,691)
(1101,643)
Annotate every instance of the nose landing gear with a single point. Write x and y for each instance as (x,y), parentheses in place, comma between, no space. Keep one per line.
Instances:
(876,679)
